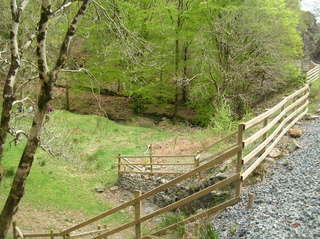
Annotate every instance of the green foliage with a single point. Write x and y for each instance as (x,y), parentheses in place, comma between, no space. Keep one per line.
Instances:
(172,218)
(207,231)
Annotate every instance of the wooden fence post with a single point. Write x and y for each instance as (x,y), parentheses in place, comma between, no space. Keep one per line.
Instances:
(51,234)
(264,137)
(119,165)
(151,160)
(241,129)
(137,215)
(196,161)
(250,200)
(14,224)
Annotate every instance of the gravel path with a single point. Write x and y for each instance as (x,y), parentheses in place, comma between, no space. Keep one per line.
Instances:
(287,204)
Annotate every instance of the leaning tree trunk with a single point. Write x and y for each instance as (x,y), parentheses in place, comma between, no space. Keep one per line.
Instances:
(18,185)
(8,91)
(47,79)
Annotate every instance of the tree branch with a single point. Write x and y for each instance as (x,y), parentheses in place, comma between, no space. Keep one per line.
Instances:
(64,5)
(41,40)
(61,61)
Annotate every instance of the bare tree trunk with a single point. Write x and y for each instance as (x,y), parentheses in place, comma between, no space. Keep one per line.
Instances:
(47,79)
(67,105)
(185,73)
(8,91)
(177,56)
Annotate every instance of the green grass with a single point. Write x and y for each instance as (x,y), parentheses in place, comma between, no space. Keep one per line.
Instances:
(69,183)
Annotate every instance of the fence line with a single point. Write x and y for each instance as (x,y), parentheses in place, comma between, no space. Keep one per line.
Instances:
(255,140)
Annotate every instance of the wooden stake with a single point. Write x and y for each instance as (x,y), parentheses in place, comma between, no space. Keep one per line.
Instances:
(250,200)
(151,160)
(241,130)
(119,165)
(137,215)
(14,224)
(51,234)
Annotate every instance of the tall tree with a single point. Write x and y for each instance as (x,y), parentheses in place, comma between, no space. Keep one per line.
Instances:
(47,79)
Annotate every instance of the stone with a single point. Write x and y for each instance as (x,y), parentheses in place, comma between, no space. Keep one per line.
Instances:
(311,117)
(275,153)
(99,190)
(269,160)
(298,146)
(115,188)
(295,132)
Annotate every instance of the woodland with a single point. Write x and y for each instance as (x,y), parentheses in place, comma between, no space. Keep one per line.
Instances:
(215,60)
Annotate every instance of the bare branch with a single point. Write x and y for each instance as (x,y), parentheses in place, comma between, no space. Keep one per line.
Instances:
(73,71)
(26,82)
(64,5)
(22,100)
(41,40)
(17,133)
(22,6)
(69,35)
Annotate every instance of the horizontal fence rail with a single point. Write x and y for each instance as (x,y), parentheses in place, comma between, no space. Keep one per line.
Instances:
(247,149)
(157,164)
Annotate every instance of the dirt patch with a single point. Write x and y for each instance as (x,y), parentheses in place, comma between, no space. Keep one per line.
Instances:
(179,145)
(35,220)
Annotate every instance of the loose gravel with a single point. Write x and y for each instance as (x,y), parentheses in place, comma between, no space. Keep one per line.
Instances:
(287,204)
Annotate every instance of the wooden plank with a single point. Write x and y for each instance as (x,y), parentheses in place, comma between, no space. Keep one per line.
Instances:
(119,165)
(159,164)
(196,217)
(312,71)
(272,123)
(173,205)
(130,165)
(41,235)
(154,172)
(19,232)
(260,147)
(158,156)
(14,230)
(268,150)
(87,233)
(316,68)
(216,160)
(137,215)
(316,72)
(239,158)
(268,113)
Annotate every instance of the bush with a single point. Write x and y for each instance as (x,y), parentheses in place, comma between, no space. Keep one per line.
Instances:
(172,218)
(207,231)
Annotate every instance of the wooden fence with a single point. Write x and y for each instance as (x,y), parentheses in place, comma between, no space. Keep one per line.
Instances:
(157,164)
(255,140)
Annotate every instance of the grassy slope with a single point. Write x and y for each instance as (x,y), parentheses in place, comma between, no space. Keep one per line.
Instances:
(69,184)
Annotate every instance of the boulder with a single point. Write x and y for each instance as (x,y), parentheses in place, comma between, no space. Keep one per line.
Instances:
(275,153)
(295,132)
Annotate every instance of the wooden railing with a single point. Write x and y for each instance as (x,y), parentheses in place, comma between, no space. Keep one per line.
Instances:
(157,164)
(255,140)
(313,74)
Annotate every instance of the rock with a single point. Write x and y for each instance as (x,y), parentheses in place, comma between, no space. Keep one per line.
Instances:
(295,132)
(275,153)
(99,190)
(269,160)
(115,188)
(298,146)
(311,117)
